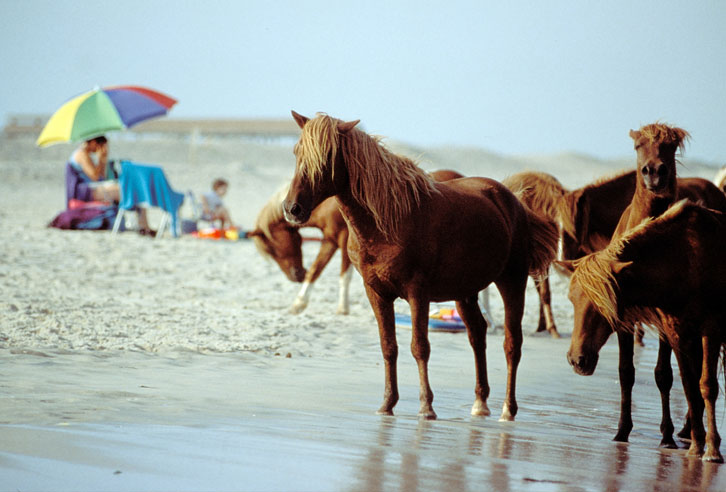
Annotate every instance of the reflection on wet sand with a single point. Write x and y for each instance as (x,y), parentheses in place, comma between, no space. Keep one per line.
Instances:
(420,456)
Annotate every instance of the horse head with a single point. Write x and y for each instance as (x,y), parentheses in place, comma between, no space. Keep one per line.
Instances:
(319,167)
(656,146)
(589,334)
(593,295)
(283,243)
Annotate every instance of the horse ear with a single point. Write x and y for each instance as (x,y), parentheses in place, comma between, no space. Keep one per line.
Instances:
(300,119)
(635,135)
(619,266)
(566,265)
(346,126)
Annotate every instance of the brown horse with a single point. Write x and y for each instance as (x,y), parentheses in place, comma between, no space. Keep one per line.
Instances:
(656,189)
(588,216)
(423,241)
(544,194)
(669,273)
(281,241)
(278,239)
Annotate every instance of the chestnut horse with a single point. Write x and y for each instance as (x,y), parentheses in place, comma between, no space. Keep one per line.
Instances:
(587,216)
(281,241)
(670,273)
(422,241)
(278,239)
(544,194)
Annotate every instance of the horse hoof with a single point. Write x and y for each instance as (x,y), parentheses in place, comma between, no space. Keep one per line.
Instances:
(554,333)
(384,411)
(621,437)
(668,444)
(297,308)
(480,409)
(694,451)
(507,415)
(427,415)
(343,311)
(712,457)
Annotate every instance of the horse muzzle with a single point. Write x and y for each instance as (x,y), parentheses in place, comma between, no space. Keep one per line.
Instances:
(295,213)
(296,274)
(583,364)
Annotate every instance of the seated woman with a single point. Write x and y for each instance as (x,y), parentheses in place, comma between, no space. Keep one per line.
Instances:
(93,172)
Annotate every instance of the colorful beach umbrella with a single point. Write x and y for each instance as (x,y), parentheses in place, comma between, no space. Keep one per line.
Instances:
(102,110)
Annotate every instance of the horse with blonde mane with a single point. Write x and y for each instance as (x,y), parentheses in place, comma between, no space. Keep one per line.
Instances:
(669,273)
(656,188)
(276,238)
(542,193)
(422,241)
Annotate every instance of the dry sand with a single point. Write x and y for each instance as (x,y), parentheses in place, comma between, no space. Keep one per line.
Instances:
(135,364)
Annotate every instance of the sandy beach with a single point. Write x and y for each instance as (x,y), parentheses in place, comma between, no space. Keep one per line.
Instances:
(173,364)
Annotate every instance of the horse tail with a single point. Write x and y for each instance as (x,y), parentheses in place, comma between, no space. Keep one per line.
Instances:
(543,239)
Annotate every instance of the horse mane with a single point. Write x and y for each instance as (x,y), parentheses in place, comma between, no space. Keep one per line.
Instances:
(539,191)
(594,272)
(661,133)
(271,213)
(720,179)
(389,186)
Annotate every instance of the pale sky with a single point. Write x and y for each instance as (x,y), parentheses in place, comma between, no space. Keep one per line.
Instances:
(514,77)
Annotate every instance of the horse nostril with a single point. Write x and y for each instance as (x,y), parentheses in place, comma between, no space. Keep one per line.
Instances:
(295,209)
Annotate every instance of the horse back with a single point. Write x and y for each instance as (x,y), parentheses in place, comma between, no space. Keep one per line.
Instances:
(702,192)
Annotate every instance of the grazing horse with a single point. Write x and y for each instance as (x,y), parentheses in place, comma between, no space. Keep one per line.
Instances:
(422,241)
(281,241)
(670,273)
(278,239)
(542,193)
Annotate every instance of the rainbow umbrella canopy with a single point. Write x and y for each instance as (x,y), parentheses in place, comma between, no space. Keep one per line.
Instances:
(101,110)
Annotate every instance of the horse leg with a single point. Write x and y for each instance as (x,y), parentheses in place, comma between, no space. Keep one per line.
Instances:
(421,350)
(512,291)
(344,282)
(476,328)
(383,310)
(709,392)
(664,381)
(546,318)
(626,371)
(689,357)
(327,249)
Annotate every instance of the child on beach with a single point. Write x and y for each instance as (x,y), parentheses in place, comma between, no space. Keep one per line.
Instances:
(213,208)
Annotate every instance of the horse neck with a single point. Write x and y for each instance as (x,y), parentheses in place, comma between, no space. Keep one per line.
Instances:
(359,219)
(648,204)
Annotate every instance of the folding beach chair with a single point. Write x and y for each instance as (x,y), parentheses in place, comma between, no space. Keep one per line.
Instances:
(146,185)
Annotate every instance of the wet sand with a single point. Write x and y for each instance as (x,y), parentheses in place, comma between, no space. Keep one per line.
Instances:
(136,421)
(133,364)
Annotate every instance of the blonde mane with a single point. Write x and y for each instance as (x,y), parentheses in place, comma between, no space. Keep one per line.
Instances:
(539,191)
(595,276)
(657,133)
(271,213)
(387,185)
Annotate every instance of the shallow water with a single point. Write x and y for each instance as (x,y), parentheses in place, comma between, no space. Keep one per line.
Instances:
(185,421)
